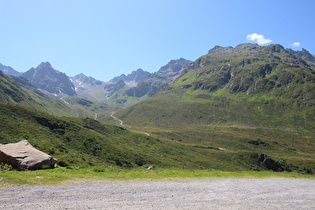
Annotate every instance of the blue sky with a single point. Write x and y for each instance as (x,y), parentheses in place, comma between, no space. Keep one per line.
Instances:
(106,38)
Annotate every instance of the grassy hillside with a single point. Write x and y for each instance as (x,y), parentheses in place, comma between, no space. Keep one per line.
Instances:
(248,99)
(172,109)
(75,141)
(192,123)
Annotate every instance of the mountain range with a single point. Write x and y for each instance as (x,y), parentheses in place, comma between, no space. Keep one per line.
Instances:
(121,90)
(247,107)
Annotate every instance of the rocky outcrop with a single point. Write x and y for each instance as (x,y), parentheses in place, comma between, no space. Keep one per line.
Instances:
(23,156)
(268,162)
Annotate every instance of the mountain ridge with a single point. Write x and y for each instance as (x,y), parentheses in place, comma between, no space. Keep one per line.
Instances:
(140,84)
(160,79)
(8,70)
(133,78)
(49,80)
(264,82)
(131,88)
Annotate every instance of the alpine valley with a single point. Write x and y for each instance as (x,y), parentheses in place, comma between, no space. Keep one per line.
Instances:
(247,107)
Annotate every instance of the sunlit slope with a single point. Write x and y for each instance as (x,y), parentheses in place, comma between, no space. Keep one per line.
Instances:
(13,93)
(75,141)
(248,85)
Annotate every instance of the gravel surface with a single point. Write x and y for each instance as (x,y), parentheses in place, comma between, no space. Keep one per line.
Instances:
(212,193)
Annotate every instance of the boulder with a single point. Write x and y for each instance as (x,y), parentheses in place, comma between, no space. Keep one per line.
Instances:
(23,156)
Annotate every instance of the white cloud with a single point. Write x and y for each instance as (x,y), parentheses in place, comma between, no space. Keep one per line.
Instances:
(296,44)
(258,38)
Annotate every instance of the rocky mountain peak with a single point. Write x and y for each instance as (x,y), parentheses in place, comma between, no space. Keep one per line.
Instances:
(45,65)
(304,54)
(50,80)
(274,48)
(172,69)
(160,79)
(218,49)
(81,78)
(133,78)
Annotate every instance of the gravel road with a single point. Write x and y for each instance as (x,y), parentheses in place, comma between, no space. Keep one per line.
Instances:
(212,193)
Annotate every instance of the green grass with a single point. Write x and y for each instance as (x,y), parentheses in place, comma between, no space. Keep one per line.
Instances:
(173,108)
(86,174)
(75,141)
(207,121)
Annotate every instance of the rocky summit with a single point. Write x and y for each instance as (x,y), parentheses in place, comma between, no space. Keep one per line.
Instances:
(49,80)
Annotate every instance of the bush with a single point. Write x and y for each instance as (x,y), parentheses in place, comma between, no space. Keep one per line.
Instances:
(5,167)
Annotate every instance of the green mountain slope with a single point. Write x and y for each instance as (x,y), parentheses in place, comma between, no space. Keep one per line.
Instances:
(248,85)
(13,93)
(76,141)
(249,99)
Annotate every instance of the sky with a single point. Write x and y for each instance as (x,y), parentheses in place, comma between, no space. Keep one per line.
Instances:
(107,38)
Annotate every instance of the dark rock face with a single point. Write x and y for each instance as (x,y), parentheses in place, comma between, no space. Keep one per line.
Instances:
(135,76)
(268,162)
(26,84)
(23,156)
(46,78)
(257,142)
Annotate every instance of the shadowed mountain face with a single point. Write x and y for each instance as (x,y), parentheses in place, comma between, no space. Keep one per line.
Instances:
(10,92)
(246,85)
(303,54)
(49,80)
(8,70)
(158,80)
(133,78)
(98,91)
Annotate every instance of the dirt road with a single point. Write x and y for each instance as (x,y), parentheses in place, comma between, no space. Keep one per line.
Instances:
(215,193)
(115,118)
